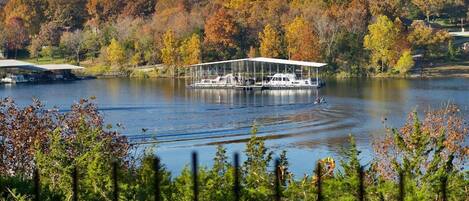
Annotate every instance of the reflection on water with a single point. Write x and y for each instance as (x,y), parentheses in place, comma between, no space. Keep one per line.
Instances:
(182,120)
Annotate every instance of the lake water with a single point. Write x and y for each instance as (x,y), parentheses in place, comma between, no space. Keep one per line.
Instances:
(185,120)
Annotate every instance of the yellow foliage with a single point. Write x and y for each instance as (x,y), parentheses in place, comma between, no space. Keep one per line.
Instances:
(405,62)
(302,42)
(115,53)
(169,53)
(191,50)
(381,40)
(270,42)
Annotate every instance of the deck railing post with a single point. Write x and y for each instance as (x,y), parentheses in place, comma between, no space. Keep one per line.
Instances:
(115,191)
(74,184)
(319,185)
(278,193)
(195,177)
(236,186)
(361,187)
(156,170)
(444,183)
(37,192)
(401,185)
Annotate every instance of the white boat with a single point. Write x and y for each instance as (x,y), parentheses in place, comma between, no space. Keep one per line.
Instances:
(289,80)
(14,79)
(220,81)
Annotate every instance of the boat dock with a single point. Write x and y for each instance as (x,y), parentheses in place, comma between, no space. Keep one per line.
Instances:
(14,71)
(256,74)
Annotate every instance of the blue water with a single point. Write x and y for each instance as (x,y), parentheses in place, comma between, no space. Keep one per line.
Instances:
(184,120)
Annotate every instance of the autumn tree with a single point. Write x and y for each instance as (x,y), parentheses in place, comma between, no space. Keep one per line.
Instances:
(381,41)
(3,38)
(115,53)
(103,10)
(425,38)
(73,42)
(67,13)
(169,52)
(191,50)
(50,34)
(427,151)
(16,34)
(405,62)
(270,43)
(429,7)
(221,32)
(253,52)
(35,47)
(31,12)
(390,8)
(139,8)
(302,42)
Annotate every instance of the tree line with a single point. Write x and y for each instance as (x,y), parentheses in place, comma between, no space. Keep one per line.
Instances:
(353,36)
(66,148)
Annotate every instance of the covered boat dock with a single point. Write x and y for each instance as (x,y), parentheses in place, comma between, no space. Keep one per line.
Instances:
(12,71)
(256,73)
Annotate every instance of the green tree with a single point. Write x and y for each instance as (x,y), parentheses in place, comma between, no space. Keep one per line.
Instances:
(80,141)
(255,172)
(73,42)
(115,53)
(381,40)
(270,42)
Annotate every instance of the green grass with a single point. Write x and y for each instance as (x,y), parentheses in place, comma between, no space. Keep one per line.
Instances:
(46,60)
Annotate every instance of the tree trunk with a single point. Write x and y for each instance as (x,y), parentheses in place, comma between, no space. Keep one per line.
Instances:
(78,58)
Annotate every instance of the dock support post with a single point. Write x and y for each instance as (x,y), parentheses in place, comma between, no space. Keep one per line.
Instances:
(301,77)
(262,74)
(270,69)
(317,76)
(255,76)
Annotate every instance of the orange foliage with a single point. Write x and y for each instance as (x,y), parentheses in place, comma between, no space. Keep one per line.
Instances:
(221,30)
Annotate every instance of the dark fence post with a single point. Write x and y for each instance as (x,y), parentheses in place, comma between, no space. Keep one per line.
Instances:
(195,177)
(37,192)
(115,195)
(401,185)
(156,167)
(236,186)
(278,195)
(444,183)
(319,186)
(361,187)
(75,184)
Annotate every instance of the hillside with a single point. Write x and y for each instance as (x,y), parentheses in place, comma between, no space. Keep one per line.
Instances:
(356,37)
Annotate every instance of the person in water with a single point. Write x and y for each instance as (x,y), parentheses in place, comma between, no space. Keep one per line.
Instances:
(319,100)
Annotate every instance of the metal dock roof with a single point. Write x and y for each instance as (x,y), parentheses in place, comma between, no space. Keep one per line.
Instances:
(268,60)
(11,63)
